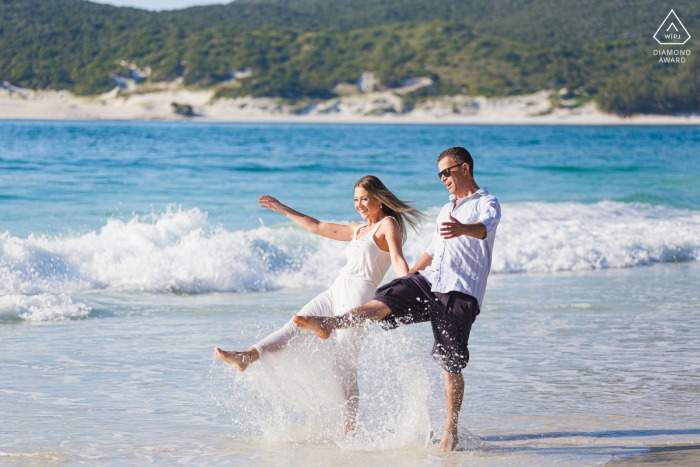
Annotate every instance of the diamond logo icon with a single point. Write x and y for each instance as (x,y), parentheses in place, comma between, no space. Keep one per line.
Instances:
(672,31)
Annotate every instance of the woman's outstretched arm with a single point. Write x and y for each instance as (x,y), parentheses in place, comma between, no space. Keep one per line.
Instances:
(325,229)
(392,234)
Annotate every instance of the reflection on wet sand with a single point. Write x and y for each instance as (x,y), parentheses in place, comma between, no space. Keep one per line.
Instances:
(664,456)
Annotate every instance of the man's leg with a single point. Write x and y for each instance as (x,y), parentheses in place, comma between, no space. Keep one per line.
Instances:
(454,393)
(451,329)
(409,297)
(323,326)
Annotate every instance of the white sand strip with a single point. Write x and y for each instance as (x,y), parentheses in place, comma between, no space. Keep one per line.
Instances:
(372,107)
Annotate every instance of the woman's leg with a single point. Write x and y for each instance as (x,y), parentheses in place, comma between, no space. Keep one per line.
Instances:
(319,306)
(350,295)
(349,343)
(240,360)
(348,372)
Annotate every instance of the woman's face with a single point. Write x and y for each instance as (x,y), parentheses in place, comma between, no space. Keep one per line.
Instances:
(366,204)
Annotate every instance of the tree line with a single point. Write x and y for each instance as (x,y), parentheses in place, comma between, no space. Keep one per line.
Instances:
(305,48)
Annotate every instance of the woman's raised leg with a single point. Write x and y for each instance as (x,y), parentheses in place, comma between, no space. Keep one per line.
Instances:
(272,343)
(319,306)
(240,360)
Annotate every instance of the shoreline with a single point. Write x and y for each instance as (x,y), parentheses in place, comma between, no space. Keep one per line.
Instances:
(351,122)
(381,107)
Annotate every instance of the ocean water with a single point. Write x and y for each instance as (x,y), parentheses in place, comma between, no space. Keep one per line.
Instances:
(128,251)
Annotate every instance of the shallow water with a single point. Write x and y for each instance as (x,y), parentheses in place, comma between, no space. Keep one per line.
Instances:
(551,382)
(586,348)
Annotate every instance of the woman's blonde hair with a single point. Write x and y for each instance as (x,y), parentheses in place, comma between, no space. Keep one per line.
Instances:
(400,210)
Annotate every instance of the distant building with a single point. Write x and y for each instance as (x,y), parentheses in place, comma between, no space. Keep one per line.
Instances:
(15,89)
(368,82)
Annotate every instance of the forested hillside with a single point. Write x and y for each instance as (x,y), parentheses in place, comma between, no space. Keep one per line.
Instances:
(304,48)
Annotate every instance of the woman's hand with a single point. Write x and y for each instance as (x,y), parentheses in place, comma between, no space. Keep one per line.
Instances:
(339,232)
(271,203)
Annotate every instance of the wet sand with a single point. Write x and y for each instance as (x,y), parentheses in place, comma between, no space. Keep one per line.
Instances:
(687,455)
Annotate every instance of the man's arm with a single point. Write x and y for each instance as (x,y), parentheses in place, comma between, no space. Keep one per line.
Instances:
(422,263)
(454,228)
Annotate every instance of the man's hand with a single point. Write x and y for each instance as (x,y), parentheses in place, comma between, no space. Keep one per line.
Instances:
(422,263)
(454,228)
(451,229)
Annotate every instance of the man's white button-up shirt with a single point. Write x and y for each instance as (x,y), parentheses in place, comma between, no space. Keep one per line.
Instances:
(462,264)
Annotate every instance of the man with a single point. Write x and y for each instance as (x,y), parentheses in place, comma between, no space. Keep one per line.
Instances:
(450,286)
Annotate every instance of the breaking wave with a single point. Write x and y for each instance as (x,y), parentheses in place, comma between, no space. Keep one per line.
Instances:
(178,250)
(549,237)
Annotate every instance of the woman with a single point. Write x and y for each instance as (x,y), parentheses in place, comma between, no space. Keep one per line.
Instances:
(373,247)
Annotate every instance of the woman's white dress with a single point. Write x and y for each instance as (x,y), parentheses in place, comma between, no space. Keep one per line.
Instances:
(309,371)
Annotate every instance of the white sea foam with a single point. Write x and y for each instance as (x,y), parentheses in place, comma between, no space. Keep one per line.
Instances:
(179,250)
(42,307)
(175,250)
(547,237)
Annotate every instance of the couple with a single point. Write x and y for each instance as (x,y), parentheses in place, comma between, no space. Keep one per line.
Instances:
(446,286)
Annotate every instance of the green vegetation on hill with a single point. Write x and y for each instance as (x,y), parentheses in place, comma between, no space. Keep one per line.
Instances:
(304,48)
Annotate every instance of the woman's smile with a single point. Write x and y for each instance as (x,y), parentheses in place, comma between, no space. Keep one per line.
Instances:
(366,204)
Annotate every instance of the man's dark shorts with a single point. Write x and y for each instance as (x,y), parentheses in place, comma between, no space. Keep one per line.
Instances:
(451,316)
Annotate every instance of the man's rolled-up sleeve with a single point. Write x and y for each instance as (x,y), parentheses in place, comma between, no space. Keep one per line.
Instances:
(490,215)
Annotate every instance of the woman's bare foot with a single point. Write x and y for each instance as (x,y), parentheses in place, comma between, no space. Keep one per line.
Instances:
(349,426)
(240,360)
(316,324)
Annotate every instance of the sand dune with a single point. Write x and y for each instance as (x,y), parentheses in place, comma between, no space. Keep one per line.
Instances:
(371,107)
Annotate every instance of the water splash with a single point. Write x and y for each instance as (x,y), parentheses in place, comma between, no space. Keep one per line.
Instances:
(275,400)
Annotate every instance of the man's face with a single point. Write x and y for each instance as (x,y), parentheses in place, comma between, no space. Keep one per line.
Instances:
(458,175)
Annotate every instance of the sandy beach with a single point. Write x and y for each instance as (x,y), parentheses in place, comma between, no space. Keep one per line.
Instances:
(664,456)
(386,106)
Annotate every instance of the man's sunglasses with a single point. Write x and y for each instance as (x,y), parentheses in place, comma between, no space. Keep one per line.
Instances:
(446,172)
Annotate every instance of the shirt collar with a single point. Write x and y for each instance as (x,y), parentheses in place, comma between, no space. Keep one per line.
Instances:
(480,192)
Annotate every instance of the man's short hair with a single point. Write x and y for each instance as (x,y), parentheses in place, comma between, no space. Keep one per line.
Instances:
(460,156)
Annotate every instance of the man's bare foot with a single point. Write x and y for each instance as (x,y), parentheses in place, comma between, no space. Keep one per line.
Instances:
(449,439)
(240,360)
(316,324)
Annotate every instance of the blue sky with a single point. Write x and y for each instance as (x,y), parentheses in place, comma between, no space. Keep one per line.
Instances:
(160,4)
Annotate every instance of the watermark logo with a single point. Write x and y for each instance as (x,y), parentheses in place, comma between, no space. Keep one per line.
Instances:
(672,31)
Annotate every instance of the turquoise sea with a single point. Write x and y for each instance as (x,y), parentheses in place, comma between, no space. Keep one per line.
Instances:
(128,251)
